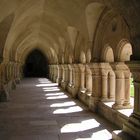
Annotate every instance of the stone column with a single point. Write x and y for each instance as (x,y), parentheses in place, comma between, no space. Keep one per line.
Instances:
(104,86)
(6,73)
(127,89)
(4,95)
(88,80)
(18,73)
(82,80)
(96,76)
(21,70)
(112,86)
(70,75)
(119,95)
(120,71)
(57,74)
(73,76)
(66,75)
(54,73)
(60,74)
(13,85)
(96,86)
(132,126)
(76,80)
(63,75)
(51,72)
(70,86)
(108,82)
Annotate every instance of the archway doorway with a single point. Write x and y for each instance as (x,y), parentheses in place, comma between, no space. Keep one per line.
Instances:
(36,65)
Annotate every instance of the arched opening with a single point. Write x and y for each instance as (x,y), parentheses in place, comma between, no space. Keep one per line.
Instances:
(125,51)
(36,65)
(107,54)
(124,55)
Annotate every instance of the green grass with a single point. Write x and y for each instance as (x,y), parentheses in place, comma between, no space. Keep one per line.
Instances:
(132,88)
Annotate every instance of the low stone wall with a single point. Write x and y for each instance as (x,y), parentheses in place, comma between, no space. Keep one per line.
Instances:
(112,115)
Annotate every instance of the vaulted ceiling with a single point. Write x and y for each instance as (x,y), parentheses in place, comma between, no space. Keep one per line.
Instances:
(63,28)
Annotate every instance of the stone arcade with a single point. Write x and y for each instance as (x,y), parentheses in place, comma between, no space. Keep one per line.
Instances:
(92,49)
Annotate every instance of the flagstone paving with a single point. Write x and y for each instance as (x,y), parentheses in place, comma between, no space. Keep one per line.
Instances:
(39,110)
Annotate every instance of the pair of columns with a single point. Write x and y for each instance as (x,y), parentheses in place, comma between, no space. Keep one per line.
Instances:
(132,126)
(101,80)
(122,93)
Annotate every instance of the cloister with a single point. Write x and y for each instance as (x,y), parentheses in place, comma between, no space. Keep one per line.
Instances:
(88,49)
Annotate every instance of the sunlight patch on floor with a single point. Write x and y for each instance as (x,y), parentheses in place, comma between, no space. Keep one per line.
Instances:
(109,104)
(47,85)
(84,139)
(78,127)
(68,110)
(126,112)
(102,135)
(49,90)
(99,135)
(65,104)
(54,94)
(57,97)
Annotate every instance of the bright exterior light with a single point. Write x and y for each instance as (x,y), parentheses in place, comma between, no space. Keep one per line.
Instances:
(65,104)
(49,90)
(126,112)
(99,135)
(84,139)
(102,135)
(57,97)
(77,127)
(54,94)
(47,85)
(68,110)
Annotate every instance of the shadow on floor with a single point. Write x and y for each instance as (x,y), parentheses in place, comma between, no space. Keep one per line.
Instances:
(40,110)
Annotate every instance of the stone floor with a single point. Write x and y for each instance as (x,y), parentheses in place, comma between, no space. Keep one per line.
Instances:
(39,110)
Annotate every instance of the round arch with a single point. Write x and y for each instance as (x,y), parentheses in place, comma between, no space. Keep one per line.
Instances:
(107,54)
(124,50)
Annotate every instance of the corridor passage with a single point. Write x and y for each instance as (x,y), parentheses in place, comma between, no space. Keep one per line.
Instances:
(39,110)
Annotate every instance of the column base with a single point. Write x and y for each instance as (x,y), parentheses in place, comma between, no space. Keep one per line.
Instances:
(4,96)
(93,103)
(64,85)
(121,106)
(111,99)
(58,80)
(75,91)
(13,86)
(104,99)
(117,106)
(132,126)
(108,99)
(127,105)
(69,89)
(120,135)
(84,96)
(17,81)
